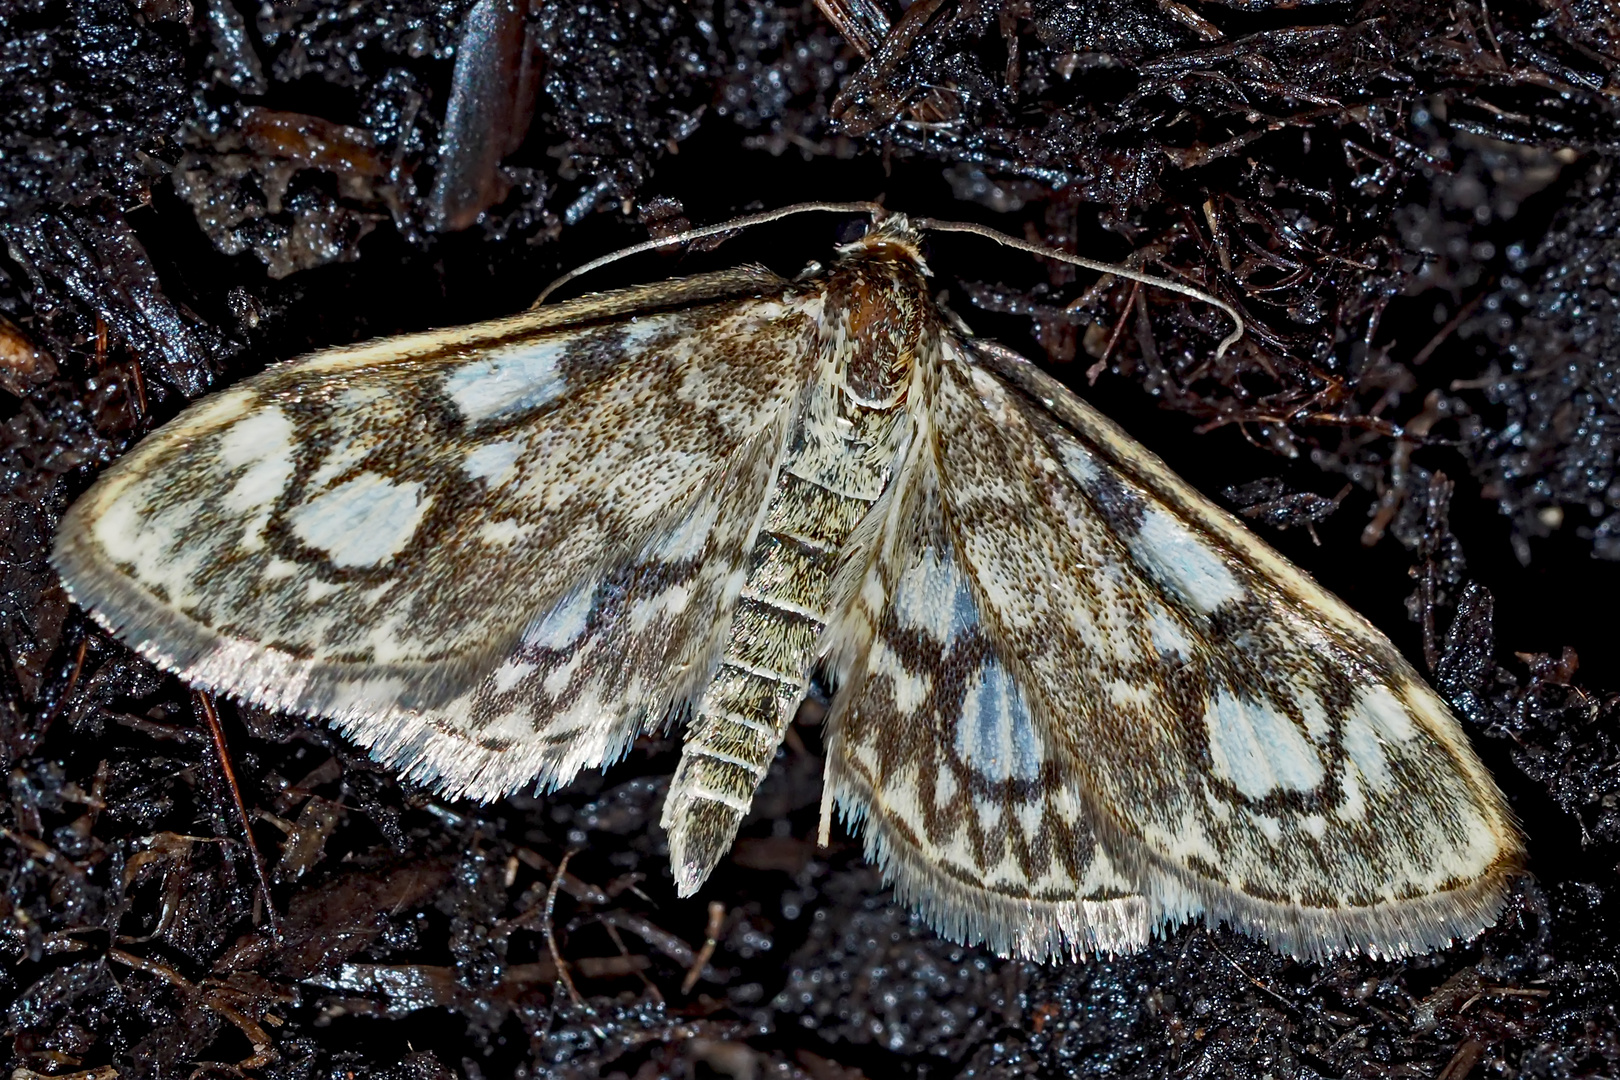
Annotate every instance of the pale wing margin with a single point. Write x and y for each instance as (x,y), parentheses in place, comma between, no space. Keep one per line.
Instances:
(371,529)
(936,757)
(1248,747)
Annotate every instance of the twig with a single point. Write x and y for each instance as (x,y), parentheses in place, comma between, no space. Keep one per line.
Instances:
(1446,331)
(1095,370)
(1468,1055)
(205,705)
(551,935)
(662,940)
(264,1051)
(67,689)
(138,384)
(618,939)
(1256,983)
(717,915)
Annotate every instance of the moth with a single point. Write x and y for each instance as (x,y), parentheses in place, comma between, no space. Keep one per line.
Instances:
(1072,701)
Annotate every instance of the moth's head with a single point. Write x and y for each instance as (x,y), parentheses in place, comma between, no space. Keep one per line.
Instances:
(891,237)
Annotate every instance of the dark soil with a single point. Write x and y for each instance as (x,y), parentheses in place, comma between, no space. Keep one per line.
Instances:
(1416,205)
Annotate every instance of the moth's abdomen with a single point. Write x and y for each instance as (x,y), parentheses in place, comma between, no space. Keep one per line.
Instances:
(733,737)
(757,688)
(829,481)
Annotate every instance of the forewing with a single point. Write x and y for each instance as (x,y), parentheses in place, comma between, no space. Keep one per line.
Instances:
(1247,746)
(373,529)
(936,755)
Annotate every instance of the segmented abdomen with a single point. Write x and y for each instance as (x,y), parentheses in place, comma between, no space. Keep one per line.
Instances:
(764,669)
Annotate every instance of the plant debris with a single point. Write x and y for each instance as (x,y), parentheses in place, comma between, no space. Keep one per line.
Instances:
(1414,206)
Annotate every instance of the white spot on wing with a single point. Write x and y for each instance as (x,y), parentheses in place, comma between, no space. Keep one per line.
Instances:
(558,679)
(1030,816)
(996,736)
(562,625)
(933,597)
(263,442)
(1080,463)
(910,690)
(639,330)
(506,381)
(1257,749)
(1167,635)
(362,522)
(264,434)
(872,594)
(510,674)
(500,533)
(1387,713)
(372,596)
(1352,801)
(689,539)
(1183,562)
(988,811)
(1131,695)
(493,462)
(317,590)
(671,601)
(1377,720)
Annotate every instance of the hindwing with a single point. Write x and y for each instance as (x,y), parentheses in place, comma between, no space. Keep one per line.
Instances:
(946,765)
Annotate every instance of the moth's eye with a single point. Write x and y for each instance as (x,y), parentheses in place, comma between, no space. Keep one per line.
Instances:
(853,231)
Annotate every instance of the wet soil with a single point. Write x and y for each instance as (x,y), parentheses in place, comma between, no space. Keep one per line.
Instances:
(1416,206)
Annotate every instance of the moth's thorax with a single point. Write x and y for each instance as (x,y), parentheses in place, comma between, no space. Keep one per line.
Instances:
(879,318)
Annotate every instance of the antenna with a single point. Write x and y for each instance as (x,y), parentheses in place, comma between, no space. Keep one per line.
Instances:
(734,225)
(877,212)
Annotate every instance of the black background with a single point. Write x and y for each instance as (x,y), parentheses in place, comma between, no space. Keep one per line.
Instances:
(1422,163)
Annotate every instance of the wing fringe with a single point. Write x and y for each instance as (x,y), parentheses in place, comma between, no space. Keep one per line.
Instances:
(461,768)
(1384,931)
(450,762)
(223,664)
(1037,930)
